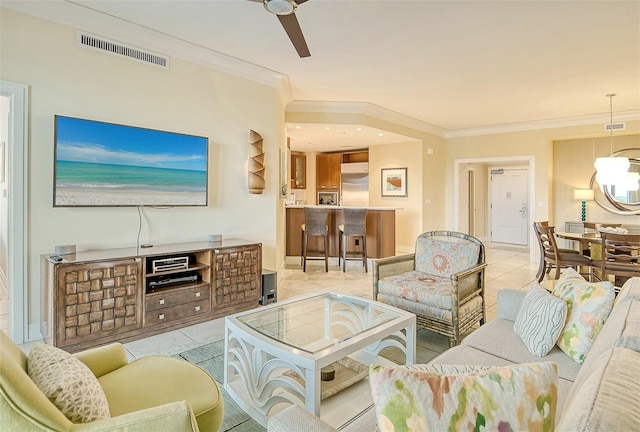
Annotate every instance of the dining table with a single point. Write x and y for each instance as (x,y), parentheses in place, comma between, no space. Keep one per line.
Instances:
(591,241)
(586,240)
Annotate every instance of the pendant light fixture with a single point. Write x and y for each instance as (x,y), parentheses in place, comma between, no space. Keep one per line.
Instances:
(611,170)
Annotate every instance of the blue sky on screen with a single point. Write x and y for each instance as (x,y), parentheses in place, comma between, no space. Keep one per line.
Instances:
(95,142)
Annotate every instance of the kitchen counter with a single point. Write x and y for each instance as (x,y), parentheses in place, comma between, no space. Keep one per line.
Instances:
(381,231)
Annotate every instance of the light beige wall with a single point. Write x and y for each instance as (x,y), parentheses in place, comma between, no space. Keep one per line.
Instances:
(573,169)
(409,208)
(68,80)
(535,143)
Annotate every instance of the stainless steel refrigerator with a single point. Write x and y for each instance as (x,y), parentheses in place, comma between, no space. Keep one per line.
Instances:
(354,184)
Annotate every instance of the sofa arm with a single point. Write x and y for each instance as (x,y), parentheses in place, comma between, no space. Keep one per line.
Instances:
(391,266)
(104,359)
(176,416)
(296,418)
(509,302)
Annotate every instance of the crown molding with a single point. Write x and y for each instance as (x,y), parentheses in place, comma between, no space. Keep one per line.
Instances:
(591,119)
(83,17)
(367,109)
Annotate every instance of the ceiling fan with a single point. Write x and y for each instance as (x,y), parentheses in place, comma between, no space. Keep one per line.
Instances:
(285,10)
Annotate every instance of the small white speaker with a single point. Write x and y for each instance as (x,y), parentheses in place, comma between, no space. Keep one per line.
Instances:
(65,249)
(215,237)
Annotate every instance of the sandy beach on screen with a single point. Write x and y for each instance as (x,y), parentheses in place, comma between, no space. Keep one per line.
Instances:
(98,197)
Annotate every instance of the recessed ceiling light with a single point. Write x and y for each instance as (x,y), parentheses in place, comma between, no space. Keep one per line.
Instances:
(380,134)
(327,128)
(359,129)
(298,127)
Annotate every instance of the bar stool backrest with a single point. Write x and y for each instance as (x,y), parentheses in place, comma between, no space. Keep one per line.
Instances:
(355,221)
(315,220)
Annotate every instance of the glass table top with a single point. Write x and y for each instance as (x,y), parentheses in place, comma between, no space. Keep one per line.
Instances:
(314,323)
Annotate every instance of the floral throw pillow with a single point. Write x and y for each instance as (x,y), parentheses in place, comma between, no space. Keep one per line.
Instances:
(516,397)
(588,306)
(540,320)
(68,383)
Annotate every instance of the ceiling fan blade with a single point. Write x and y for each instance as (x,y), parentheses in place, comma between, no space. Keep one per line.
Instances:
(292,27)
(299,2)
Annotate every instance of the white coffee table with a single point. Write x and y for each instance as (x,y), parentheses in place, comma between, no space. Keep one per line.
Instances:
(303,335)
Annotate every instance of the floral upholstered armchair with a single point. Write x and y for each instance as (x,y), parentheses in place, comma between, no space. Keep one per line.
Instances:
(442,283)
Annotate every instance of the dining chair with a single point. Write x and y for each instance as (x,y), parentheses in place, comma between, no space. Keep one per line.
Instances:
(315,224)
(355,225)
(593,250)
(553,257)
(542,266)
(620,257)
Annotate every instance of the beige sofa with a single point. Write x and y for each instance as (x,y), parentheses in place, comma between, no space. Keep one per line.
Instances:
(601,394)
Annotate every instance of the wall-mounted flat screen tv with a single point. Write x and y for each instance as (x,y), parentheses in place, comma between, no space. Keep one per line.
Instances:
(105,164)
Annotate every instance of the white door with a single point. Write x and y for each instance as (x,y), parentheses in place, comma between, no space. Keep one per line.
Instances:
(509,205)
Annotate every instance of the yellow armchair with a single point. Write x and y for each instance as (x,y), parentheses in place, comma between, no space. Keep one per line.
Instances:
(151,393)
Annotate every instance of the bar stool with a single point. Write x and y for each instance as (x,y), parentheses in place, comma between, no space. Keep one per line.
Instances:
(355,225)
(315,224)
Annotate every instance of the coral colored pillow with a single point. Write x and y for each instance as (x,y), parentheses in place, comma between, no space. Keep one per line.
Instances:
(445,397)
(589,305)
(68,383)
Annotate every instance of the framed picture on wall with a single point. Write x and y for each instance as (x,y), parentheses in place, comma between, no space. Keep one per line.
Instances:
(394,182)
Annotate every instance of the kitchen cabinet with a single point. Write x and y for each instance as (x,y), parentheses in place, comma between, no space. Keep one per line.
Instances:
(298,171)
(328,171)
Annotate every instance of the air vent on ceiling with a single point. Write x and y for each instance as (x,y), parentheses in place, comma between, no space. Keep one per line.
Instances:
(614,127)
(119,49)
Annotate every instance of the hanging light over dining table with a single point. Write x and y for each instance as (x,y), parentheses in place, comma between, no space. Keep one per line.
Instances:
(611,170)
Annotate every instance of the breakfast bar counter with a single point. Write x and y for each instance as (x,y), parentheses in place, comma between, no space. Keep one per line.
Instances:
(381,232)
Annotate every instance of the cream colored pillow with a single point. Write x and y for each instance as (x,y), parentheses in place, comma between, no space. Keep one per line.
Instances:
(68,383)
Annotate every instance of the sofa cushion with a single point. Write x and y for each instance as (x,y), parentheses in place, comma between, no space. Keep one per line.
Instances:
(540,320)
(443,255)
(68,383)
(417,286)
(155,380)
(623,324)
(589,305)
(515,397)
(607,398)
(629,291)
(498,339)
(463,354)
(444,315)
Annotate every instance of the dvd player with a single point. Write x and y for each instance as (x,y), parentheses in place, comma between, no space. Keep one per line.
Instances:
(173,281)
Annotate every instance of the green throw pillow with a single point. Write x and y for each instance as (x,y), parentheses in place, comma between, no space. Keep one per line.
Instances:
(589,305)
(453,398)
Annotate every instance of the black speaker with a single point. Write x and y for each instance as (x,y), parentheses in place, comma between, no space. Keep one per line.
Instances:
(269,287)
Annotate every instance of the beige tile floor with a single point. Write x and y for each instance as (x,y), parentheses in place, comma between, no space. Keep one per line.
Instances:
(508,267)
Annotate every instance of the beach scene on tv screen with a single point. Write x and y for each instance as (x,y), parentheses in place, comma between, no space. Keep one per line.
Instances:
(103,164)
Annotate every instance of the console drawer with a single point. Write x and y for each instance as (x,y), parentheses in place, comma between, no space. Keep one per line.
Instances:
(175,313)
(176,296)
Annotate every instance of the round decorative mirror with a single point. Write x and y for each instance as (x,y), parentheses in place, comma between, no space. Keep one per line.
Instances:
(619,198)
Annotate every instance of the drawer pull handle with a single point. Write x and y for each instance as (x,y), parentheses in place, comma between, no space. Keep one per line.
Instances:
(161,301)
(197,308)
(198,294)
(161,316)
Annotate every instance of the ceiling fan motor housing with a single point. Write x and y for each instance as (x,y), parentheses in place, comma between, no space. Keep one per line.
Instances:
(280,7)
